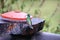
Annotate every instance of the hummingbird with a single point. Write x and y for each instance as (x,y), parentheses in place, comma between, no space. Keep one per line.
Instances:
(29,21)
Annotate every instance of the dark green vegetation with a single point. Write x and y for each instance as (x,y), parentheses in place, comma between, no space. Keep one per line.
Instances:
(47,9)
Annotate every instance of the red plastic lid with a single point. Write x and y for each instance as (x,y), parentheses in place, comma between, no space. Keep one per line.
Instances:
(15,15)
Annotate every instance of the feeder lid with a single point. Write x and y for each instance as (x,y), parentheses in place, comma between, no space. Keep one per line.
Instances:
(15,15)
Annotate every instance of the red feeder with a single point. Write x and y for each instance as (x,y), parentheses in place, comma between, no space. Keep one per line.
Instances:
(15,15)
(16,22)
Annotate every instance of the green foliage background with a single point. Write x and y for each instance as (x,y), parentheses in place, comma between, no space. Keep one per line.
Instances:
(46,9)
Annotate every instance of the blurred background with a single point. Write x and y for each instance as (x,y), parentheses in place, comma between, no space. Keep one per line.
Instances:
(46,9)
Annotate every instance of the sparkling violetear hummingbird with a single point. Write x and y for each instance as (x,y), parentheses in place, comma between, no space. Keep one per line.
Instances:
(29,21)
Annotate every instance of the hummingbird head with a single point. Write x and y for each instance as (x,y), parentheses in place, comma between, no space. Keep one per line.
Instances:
(28,15)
